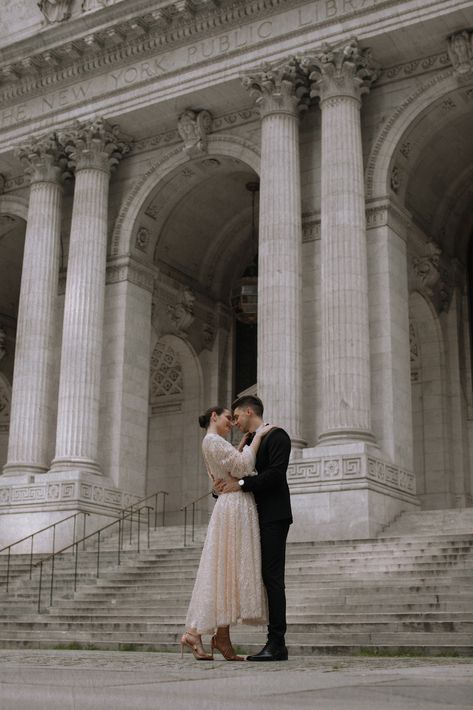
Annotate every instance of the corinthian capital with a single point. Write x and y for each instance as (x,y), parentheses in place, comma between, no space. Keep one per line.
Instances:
(43,159)
(280,88)
(94,144)
(346,70)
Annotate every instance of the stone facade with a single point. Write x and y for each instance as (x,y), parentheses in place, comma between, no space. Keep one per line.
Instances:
(128,133)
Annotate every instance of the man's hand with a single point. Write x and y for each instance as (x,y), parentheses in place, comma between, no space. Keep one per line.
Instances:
(227,486)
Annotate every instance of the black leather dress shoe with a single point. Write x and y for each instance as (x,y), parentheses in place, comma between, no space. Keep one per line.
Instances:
(270,653)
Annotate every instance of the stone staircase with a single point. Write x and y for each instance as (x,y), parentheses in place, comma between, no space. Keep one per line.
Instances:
(410,589)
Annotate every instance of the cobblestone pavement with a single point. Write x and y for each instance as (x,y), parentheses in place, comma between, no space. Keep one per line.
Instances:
(93,680)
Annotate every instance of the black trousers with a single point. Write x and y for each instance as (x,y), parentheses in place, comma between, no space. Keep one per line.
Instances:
(273,561)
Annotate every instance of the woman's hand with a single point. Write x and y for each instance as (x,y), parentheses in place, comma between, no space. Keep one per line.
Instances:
(265,430)
(243,441)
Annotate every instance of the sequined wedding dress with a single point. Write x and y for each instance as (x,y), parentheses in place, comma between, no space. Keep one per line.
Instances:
(228,588)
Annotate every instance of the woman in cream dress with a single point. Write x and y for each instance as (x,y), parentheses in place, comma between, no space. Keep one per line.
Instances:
(228,588)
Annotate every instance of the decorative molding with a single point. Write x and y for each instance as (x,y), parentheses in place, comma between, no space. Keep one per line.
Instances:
(193,127)
(406,70)
(5,403)
(38,497)
(127,269)
(415,352)
(342,471)
(43,159)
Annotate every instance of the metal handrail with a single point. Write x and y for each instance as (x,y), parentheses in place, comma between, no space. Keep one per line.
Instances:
(184,508)
(74,516)
(38,532)
(76,545)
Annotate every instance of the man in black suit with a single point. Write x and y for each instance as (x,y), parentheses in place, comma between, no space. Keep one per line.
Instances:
(274,512)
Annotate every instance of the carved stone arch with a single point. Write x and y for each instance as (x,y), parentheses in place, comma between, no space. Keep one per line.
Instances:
(220,144)
(14,205)
(432,460)
(378,167)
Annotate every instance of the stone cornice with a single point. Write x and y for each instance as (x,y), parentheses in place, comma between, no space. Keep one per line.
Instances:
(80,53)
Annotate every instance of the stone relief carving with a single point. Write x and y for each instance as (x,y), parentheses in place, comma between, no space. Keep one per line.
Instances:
(5,396)
(89,5)
(415,353)
(193,127)
(55,10)
(395,179)
(432,277)
(181,315)
(2,183)
(460,51)
(166,372)
(142,239)
(3,340)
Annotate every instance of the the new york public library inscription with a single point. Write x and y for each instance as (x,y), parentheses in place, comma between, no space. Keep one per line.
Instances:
(307,16)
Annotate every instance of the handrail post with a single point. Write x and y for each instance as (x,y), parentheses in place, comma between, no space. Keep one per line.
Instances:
(74,530)
(155,510)
(120,522)
(164,506)
(193,520)
(8,566)
(147,532)
(54,538)
(139,530)
(31,556)
(52,581)
(40,586)
(185,524)
(98,554)
(83,530)
(131,524)
(76,561)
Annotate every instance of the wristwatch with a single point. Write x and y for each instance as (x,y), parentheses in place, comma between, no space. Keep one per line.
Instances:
(241,482)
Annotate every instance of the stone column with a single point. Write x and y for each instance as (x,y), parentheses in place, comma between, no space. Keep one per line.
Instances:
(94,148)
(339,77)
(32,409)
(278,90)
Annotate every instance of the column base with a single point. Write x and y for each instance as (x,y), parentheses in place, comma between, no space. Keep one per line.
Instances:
(79,465)
(345,492)
(345,436)
(23,470)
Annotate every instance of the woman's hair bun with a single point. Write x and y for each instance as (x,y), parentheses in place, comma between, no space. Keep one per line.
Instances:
(204,419)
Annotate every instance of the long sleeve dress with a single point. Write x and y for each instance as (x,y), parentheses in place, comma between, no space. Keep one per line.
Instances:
(228,588)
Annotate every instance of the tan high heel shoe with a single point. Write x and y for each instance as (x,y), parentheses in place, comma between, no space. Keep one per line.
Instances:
(195,645)
(223,644)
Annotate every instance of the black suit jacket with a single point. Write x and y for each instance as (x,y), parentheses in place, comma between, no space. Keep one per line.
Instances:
(270,485)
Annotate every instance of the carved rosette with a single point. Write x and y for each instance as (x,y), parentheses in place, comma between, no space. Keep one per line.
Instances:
(43,159)
(94,144)
(280,88)
(460,51)
(346,70)
(193,127)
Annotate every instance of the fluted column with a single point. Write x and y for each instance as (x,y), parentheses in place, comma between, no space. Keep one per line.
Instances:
(339,77)
(278,90)
(93,147)
(32,407)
